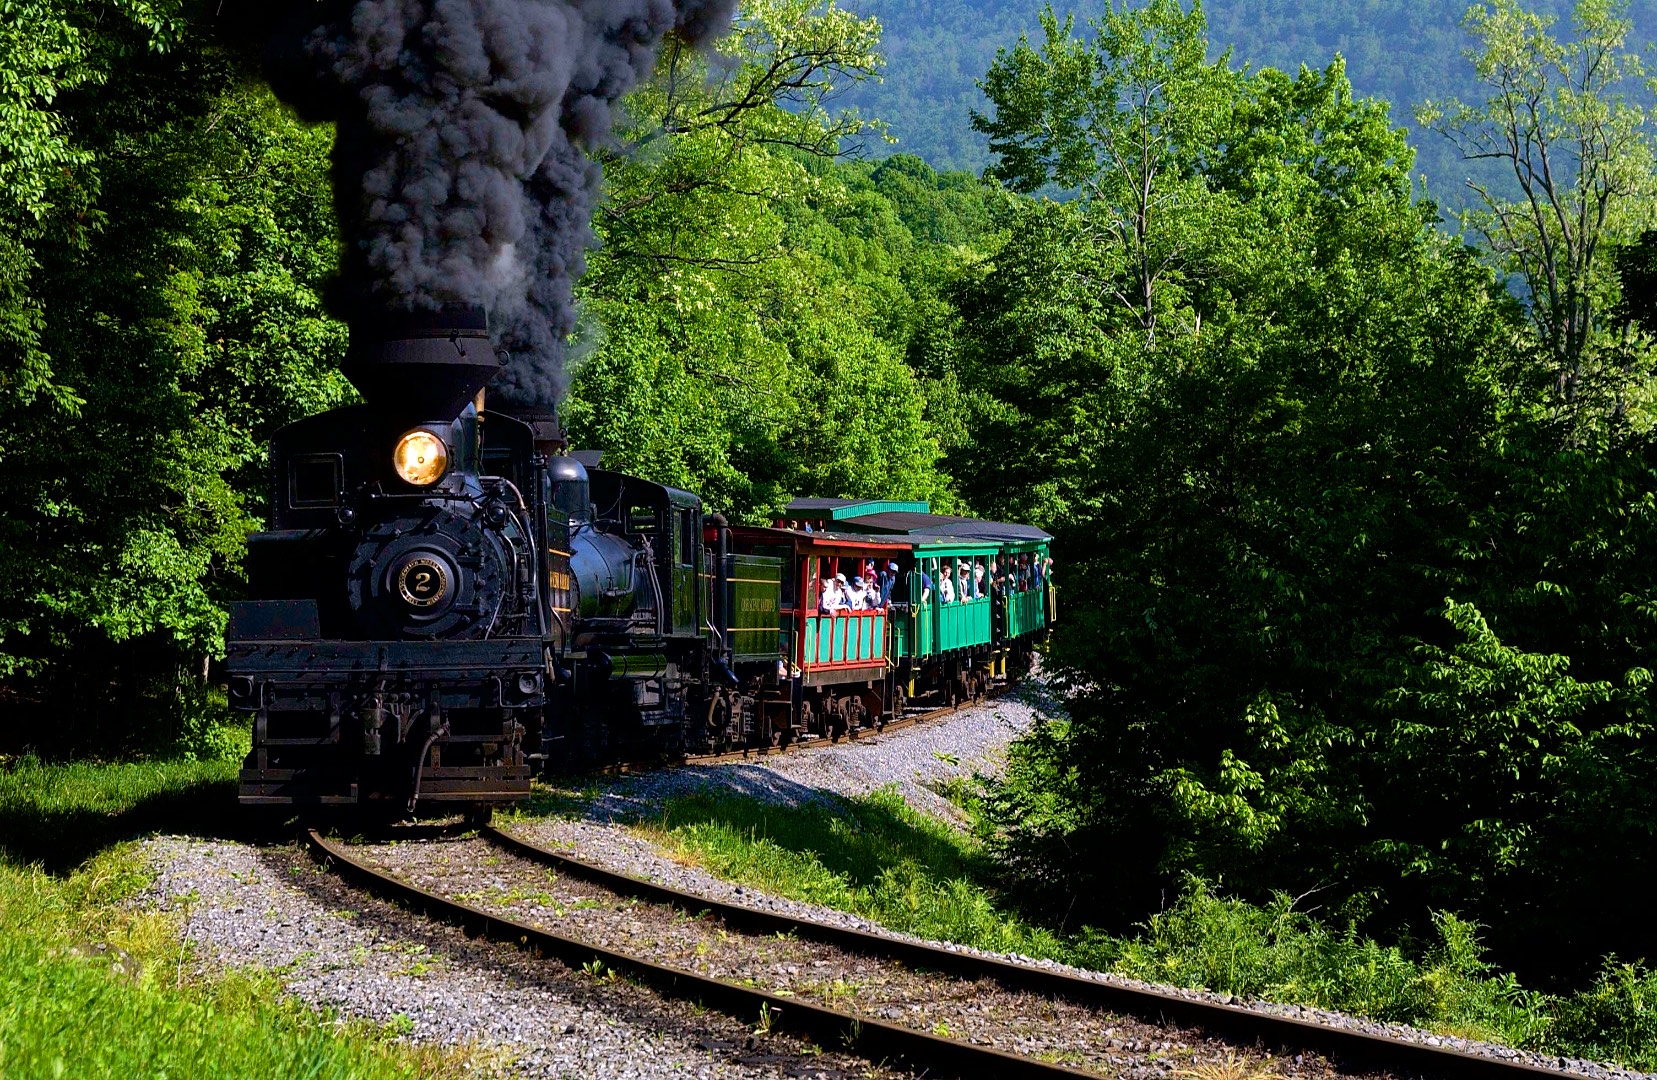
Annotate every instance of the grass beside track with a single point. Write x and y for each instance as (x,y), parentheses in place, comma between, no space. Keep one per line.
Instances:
(92,986)
(877,857)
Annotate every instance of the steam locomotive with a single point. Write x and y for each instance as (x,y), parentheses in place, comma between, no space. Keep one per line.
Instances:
(446,600)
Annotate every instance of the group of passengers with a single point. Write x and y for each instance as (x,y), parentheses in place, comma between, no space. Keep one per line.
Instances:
(971,579)
(867,591)
(958,580)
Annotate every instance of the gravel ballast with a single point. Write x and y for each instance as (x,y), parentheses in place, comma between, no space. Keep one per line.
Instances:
(915,761)
(980,1011)
(338,950)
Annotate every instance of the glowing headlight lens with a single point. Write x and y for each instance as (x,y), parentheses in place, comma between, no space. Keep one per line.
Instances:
(420,458)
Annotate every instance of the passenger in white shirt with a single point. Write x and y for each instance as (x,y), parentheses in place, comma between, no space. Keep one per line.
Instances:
(858,597)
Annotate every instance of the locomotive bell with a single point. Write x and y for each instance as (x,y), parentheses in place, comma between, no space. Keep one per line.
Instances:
(425,365)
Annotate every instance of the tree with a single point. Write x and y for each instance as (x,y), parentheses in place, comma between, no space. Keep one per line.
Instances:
(1125,118)
(181,314)
(1579,157)
(753,344)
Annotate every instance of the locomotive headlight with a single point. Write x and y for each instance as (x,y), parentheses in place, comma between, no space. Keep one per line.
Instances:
(420,458)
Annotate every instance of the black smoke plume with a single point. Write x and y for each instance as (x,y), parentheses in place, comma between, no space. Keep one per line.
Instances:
(461,171)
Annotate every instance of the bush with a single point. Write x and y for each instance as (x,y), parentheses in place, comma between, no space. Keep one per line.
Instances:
(1615,1019)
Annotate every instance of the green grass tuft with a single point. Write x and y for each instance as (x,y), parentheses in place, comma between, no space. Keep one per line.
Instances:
(91,988)
(874,856)
(59,814)
(90,985)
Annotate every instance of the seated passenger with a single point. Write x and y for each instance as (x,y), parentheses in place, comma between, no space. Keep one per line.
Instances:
(843,601)
(963,581)
(979,586)
(946,587)
(830,598)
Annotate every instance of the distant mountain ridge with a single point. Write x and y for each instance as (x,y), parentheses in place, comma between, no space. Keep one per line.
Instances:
(1402,50)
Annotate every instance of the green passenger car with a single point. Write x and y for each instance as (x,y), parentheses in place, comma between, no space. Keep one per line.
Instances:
(939,620)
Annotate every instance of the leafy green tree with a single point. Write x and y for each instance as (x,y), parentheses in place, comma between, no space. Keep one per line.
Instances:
(48,186)
(1559,118)
(1124,117)
(751,349)
(183,323)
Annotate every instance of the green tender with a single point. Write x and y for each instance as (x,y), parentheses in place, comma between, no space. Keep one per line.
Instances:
(753,593)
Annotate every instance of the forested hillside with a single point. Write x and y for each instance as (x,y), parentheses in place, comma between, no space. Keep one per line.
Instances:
(1404,51)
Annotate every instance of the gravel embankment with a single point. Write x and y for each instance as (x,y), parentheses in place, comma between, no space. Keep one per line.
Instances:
(915,761)
(342,951)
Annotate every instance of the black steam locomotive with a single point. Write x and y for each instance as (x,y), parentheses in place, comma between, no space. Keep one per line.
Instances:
(445,600)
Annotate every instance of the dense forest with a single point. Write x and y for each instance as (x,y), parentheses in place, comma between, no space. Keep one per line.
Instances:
(1353,515)
(1404,51)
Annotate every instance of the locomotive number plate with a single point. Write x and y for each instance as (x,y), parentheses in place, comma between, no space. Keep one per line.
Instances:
(422,582)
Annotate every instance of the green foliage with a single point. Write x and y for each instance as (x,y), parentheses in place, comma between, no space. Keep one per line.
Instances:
(759,301)
(1275,419)
(176,302)
(1615,1019)
(1559,118)
(89,987)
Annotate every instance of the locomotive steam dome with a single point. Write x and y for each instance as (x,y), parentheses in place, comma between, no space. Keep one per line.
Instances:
(425,365)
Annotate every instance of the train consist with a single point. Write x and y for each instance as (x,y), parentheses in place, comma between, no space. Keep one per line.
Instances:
(446,600)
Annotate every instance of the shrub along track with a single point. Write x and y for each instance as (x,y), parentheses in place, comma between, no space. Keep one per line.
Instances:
(935,1010)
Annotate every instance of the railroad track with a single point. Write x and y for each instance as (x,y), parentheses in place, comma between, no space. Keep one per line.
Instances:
(927,1052)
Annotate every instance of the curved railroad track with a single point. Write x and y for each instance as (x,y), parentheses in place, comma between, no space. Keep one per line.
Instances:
(1315,1049)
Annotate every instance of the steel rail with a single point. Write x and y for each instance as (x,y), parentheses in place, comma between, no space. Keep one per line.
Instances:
(1232,1022)
(875,1040)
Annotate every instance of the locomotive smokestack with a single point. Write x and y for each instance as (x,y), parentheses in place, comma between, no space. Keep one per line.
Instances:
(425,365)
(543,422)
